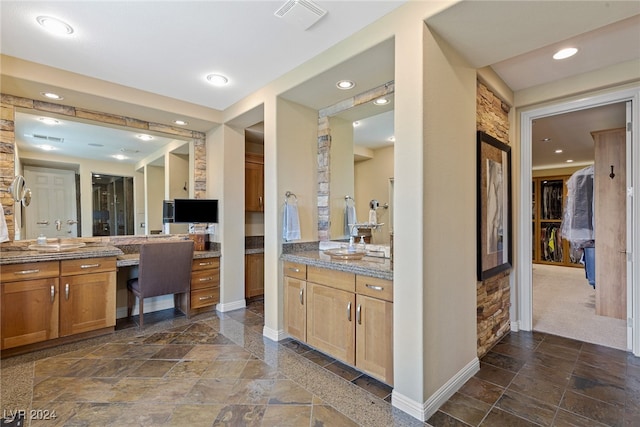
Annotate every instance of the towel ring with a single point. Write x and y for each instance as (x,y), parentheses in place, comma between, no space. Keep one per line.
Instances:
(289,194)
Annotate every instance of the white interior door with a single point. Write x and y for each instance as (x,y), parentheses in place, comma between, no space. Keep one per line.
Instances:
(630,229)
(53,199)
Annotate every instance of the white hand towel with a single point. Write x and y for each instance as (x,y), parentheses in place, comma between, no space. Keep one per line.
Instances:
(290,223)
(4,231)
(349,218)
(373,218)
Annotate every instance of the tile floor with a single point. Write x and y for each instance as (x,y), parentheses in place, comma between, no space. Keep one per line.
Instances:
(218,370)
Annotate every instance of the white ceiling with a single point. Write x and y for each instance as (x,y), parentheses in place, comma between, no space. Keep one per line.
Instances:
(129,44)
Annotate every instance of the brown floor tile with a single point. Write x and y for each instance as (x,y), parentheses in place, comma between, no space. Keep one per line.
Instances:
(286,416)
(592,408)
(258,369)
(495,375)
(225,369)
(296,346)
(512,350)
(153,368)
(324,415)
(553,362)
(188,369)
(173,352)
(525,406)
(193,415)
(533,370)
(567,353)
(373,386)
(537,388)
(318,358)
(209,390)
(286,392)
(240,415)
(482,390)
(117,367)
(344,371)
(569,419)
(500,418)
(599,390)
(251,392)
(563,342)
(465,408)
(441,419)
(503,361)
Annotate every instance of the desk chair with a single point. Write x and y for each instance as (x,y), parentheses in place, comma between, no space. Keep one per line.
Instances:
(165,268)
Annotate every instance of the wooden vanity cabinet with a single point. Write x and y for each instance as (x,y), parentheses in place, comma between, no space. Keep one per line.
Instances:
(29,303)
(295,300)
(205,283)
(347,316)
(253,275)
(374,327)
(88,295)
(254,182)
(330,312)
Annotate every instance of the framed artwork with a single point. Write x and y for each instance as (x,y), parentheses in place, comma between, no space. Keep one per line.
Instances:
(493,206)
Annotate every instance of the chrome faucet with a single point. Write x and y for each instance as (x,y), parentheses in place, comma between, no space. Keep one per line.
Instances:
(58,224)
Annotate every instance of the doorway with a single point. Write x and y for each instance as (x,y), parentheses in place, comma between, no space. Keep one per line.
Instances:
(522,317)
(112,198)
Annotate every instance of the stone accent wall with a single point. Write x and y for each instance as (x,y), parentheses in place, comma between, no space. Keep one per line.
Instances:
(324,149)
(493,294)
(7,142)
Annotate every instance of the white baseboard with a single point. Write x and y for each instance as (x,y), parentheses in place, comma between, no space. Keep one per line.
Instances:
(423,411)
(515,326)
(274,334)
(230,306)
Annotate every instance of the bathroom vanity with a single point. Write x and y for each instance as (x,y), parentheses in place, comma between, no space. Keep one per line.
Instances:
(342,308)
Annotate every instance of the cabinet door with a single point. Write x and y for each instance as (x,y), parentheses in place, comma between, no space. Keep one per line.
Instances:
(374,337)
(295,308)
(253,275)
(29,312)
(254,187)
(330,321)
(87,302)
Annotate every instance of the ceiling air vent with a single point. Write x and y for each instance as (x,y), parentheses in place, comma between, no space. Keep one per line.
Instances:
(301,13)
(47,138)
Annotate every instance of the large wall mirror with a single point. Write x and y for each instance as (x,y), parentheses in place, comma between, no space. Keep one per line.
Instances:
(96,179)
(360,164)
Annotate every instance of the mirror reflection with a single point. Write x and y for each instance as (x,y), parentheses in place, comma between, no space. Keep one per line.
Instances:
(362,155)
(91,179)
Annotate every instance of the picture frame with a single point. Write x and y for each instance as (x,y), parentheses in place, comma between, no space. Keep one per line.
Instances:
(494,206)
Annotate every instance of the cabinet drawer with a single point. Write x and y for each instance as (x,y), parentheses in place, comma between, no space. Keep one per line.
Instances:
(205,264)
(374,287)
(28,271)
(335,279)
(87,265)
(204,279)
(294,269)
(205,297)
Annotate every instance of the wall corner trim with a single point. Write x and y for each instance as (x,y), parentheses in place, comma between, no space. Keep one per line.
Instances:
(423,411)
(230,306)
(274,334)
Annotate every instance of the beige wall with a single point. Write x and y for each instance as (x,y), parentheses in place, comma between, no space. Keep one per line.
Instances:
(372,182)
(154,189)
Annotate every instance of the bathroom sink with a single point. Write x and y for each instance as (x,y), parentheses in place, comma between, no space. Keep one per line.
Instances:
(56,247)
(344,254)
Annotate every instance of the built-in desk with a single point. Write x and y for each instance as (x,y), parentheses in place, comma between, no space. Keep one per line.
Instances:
(205,280)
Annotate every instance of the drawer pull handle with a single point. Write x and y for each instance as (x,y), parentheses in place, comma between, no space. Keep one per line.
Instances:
(205,263)
(295,270)
(349,311)
(205,298)
(375,288)
(205,279)
(359,314)
(22,272)
(301,296)
(89,265)
(43,222)
(66,292)
(53,293)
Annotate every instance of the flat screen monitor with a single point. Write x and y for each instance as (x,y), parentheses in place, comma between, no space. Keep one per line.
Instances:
(195,210)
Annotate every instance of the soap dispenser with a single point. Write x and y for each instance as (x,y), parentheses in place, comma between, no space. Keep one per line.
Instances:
(362,245)
(41,240)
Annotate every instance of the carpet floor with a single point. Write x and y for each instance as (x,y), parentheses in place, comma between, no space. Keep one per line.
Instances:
(564,304)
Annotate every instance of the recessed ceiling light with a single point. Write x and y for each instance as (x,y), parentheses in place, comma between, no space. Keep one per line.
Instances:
(217,79)
(569,161)
(345,84)
(381,101)
(52,95)
(47,147)
(392,138)
(180,122)
(565,53)
(119,157)
(49,121)
(558,151)
(144,137)
(356,124)
(545,140)
(55,25)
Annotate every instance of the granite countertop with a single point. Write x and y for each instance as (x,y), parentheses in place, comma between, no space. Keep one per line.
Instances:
(21,254)
(367,266)
(248,251)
